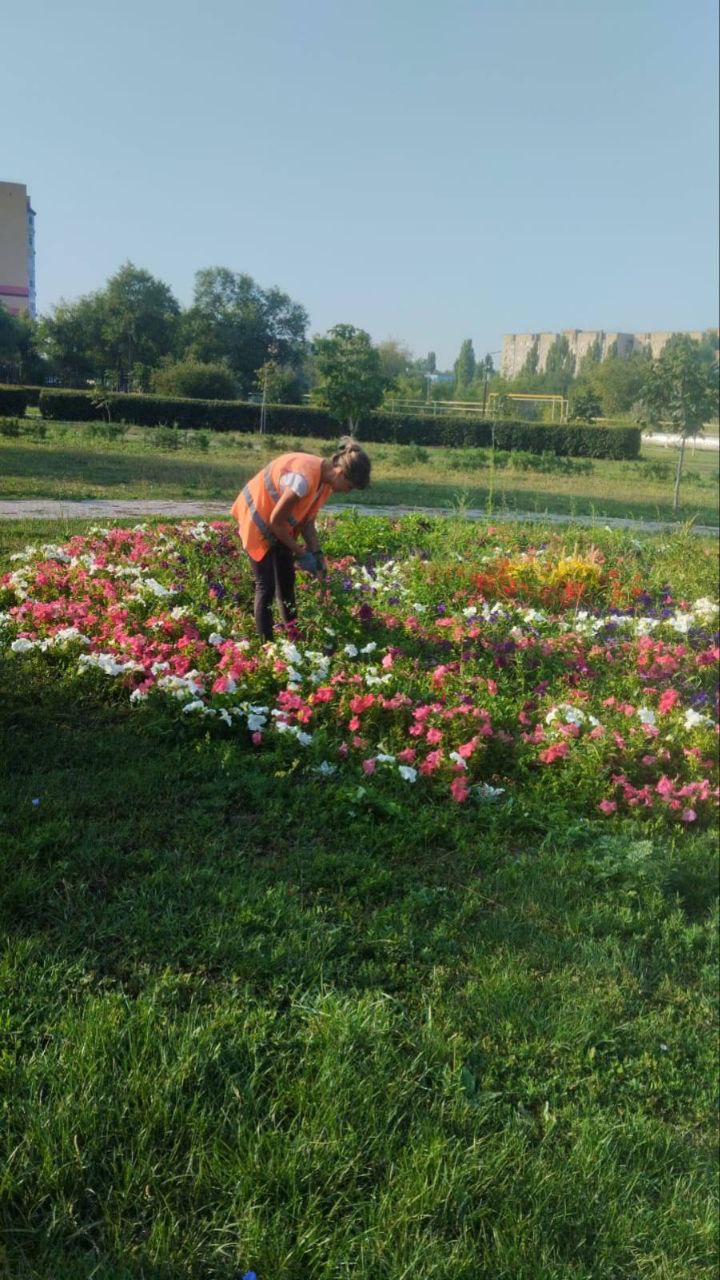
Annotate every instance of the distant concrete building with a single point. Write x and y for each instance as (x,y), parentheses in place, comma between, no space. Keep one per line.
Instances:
(518,346)
(17,249)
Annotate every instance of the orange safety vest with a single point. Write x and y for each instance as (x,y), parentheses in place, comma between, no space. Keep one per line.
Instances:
(256,502)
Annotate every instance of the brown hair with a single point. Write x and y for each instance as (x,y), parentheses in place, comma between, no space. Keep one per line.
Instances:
(354,461)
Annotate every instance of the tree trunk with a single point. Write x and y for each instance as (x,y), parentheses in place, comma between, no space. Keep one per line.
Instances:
(678,473)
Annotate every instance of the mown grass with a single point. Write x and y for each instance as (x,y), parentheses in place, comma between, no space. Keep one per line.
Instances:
(242,1028)
(72,462)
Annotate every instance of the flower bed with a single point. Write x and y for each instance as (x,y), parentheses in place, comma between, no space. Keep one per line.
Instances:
(498,674)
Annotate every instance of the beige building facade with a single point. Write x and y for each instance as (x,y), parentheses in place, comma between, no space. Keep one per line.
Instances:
(17,249)
(517,346)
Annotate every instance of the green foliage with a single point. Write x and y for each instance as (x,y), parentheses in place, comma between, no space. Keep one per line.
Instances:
(619,381)
(232,319)
(9,427)
(395,360)
(559,367)
(464,369)
(530,367)
(681,388)
(103,336)
(13,400)
(585,405)
(568,440)
(278,384)
(350,380)
(193,379)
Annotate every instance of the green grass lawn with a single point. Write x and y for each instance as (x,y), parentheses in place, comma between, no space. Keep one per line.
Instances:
(242,1028)
(72,462)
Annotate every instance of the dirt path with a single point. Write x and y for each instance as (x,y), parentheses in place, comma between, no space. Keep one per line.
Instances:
(135,509)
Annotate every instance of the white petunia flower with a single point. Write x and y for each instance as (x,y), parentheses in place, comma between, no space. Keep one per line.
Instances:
(22,645)
(351,650)
(407,772)
(647,715)
(458,759)
(326,769)
(705,609)
(215,639)
(483,791)
(694,718)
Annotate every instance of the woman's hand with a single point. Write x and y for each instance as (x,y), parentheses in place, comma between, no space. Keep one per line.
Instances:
(308,562)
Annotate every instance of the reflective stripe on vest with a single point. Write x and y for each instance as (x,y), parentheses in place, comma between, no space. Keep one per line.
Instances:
(257,519)
(267,477)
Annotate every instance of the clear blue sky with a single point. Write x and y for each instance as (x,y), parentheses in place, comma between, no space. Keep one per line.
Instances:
(425,171)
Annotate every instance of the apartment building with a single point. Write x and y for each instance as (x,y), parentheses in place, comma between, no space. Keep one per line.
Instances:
(17,249)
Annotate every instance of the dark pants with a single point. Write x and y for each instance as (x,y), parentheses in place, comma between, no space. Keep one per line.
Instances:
(274,577)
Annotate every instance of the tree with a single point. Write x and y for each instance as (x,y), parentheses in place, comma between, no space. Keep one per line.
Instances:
(349,374)
(103,336)
(619,381)
(20,360)
(682,390)
(233,319)
(72,340)
(559,367)
(278,385)
(464,368)
(395,360)
(528,374)
(195,380)
(139,321)
(586,405)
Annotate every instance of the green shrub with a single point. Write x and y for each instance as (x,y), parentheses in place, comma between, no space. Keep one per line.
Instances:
(9,427)
(13,401)
(109,432)
(164,438)
(35,431)
(195,380)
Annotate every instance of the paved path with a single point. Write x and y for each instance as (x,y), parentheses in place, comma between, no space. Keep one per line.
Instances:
(670,441)
(136,508)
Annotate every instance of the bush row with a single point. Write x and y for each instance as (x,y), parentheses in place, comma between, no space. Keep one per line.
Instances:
(568,440)
(13,401)
(18,395)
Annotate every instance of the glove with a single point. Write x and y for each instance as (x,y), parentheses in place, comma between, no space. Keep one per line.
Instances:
(307,562)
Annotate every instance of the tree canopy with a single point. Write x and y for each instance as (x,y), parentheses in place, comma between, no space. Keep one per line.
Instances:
(234,320)
(349,376)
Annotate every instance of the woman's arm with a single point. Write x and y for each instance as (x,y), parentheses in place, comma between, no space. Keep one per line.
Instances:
(309,533)
(279,521)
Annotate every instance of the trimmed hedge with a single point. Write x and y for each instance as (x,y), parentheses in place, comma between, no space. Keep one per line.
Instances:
(32,395)
(13,401)
(578,440)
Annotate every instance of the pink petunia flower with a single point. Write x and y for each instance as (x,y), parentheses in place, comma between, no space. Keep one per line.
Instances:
(608,806)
